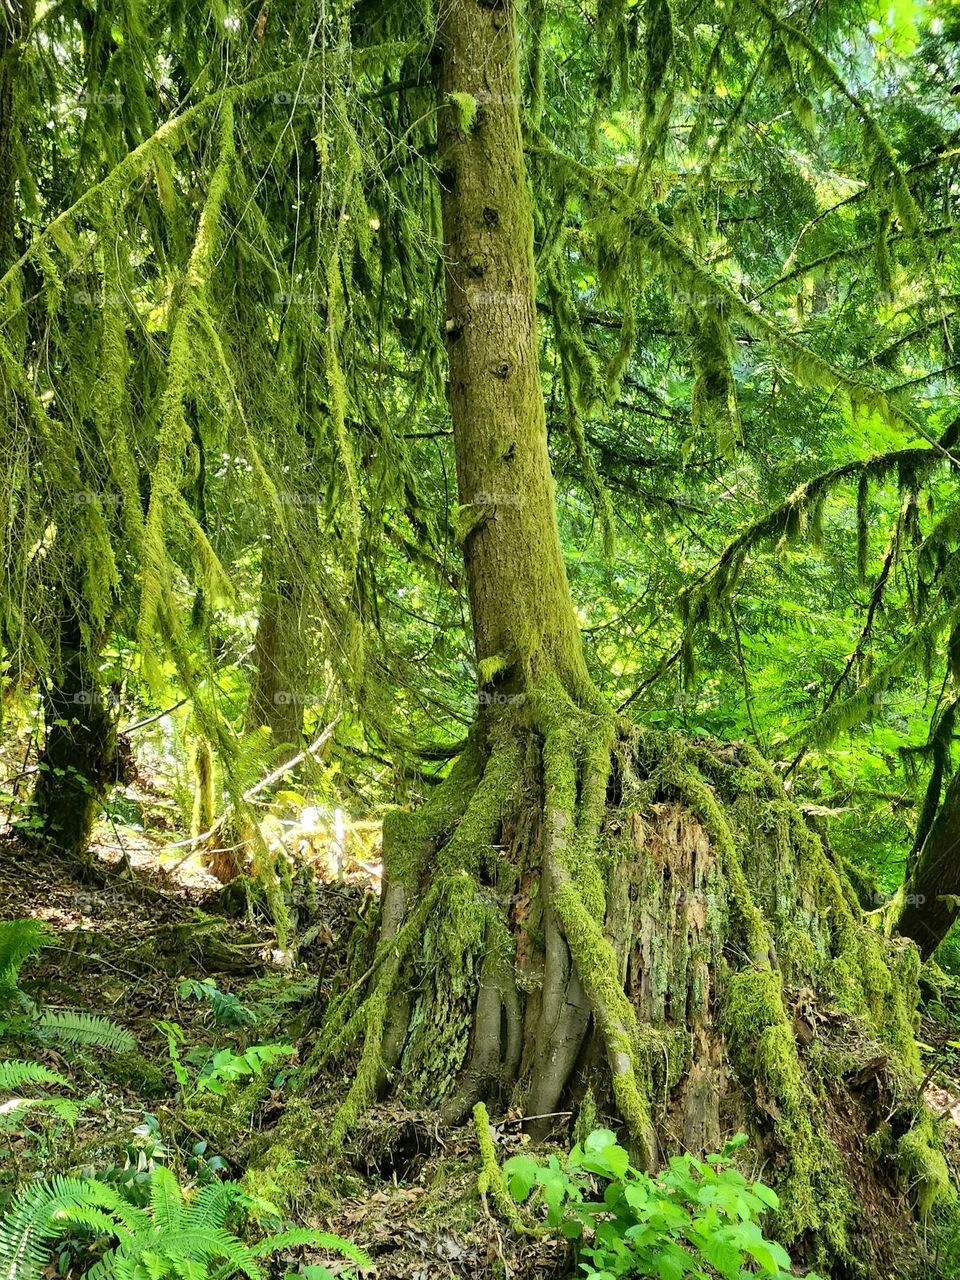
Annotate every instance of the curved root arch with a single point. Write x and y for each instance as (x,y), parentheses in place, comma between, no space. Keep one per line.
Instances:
(580,906)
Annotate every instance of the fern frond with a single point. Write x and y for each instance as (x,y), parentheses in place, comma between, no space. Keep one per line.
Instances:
(68,1026)
(195,1245)
(166,1199)
(36,1218)
(16,1073)
(210,1207)
(158,1267)
(107,1269)
(102,1221)
(67,1111)
(319,1239)
(168,1241)
(19,939)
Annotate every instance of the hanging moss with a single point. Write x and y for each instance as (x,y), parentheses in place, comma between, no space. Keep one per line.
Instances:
(204,796)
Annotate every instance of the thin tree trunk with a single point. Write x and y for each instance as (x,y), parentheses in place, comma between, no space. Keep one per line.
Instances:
(276,696)
(932,892)
(79,757)
(524,622)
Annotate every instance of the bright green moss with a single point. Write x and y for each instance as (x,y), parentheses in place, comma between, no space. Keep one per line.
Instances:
(599,972)
(137,1072)
(796,952)
(407,836)
(815,1195)
(920,1155)
(490,1182)
(282,1182)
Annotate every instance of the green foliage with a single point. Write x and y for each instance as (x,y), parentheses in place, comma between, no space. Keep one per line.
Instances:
(945,1249)
(20,1018)
(222,383)
(143,1151)
(88,1030)
(227,1010)
(697,1218)
(19,939)
(14,1075)
(173,1236)
(222,1068)
(736,226)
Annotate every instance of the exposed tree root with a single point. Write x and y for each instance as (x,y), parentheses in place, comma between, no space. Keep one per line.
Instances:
(580,907)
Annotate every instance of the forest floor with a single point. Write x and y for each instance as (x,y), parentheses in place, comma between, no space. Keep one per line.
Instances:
(126,939)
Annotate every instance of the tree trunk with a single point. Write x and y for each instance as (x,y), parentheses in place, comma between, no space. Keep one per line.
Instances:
(79,758)
(15,23)
(581,905)
(276,697)
(931,895)
(524,623)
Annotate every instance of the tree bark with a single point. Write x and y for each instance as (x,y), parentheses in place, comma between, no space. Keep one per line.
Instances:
(523,617)
(79,757)
(931,901)
(276,696)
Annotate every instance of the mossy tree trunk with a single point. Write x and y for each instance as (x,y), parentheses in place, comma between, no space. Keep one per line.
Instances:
(580,905)
(533,684)
(276,696)
(15,23)
(79,758)
(528,648)
(524,623)
(931,895)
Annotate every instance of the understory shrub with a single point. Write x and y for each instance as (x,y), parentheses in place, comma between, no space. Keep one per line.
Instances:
(694,1218)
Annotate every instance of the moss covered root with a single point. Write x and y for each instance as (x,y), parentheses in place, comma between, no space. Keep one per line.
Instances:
(537,940)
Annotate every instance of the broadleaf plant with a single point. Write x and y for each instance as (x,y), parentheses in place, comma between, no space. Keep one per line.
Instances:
(694,1218)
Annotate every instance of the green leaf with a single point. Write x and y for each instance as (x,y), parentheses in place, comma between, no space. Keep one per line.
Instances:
(521,1174)
(767,1195)
(599,1139)
(670,1268)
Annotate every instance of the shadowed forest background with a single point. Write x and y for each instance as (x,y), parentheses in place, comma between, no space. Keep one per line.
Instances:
(479,639)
